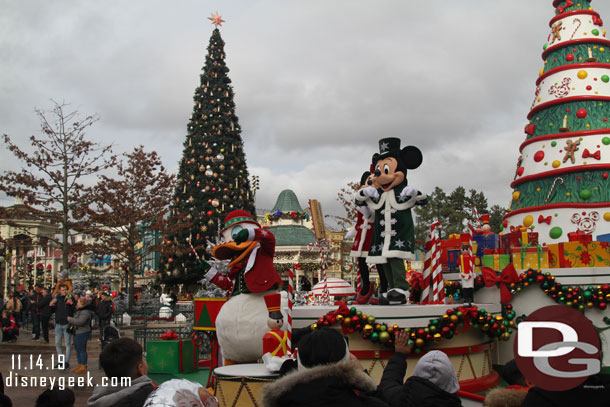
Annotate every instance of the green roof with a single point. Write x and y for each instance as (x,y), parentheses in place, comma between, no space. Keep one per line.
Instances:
(287,201)
(292,235)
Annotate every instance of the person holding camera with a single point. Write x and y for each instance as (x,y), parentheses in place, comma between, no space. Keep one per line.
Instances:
(63,306)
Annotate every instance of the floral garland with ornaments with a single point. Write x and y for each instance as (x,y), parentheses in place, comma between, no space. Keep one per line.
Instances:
(496,327)
(272,217)
(573,296)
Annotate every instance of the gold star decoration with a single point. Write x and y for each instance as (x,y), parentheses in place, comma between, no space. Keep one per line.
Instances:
(216,19)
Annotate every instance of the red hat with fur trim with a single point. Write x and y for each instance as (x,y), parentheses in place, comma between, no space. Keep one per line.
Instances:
(236,217)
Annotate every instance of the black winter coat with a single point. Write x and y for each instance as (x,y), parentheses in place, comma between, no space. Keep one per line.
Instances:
(336,385)
(104,309)
(44,309)
(416,391)
(594,392)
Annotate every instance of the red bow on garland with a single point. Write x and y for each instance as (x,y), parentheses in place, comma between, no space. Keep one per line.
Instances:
(468,313)
(597,20)
(547,220)
(169,336)
(507,276)
(561,9)
(587,154)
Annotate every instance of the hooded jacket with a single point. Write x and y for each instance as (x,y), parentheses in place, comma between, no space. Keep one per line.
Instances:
(433,383)
(132,396)
(338,384)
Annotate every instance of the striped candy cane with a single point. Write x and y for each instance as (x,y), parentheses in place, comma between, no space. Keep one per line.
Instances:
(477,217)
(323,246)
(430,262)
(290,301)
(438,288)
(358,280)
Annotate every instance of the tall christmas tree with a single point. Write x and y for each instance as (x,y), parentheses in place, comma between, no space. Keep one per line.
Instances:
(561,183)
(213,176)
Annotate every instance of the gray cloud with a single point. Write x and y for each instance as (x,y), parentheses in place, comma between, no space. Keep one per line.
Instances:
(317,83)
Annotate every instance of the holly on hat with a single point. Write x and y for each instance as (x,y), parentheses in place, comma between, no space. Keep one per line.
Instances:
(273,302)
(236,217)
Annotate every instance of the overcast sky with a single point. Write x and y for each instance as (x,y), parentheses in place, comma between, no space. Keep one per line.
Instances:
(317,82)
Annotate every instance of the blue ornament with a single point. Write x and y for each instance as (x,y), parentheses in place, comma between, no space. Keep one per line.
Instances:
(277,213)
(456,296)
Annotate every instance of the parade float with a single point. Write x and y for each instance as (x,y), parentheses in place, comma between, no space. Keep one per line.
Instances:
(554,247)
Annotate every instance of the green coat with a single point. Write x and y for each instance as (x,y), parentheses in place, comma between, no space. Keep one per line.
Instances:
(393,231)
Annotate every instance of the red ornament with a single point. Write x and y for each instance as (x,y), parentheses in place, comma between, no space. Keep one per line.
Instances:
(505,223)
(605,175)
(570,57)
(539,156)
(520,171)
(589,87)
(581,113)
(602,306)
(209,213)
(170,260)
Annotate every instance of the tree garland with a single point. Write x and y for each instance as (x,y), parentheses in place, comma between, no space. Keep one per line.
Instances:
(499,327)
(573,296)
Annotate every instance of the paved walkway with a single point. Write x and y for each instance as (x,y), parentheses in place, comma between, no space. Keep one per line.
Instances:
(41,369)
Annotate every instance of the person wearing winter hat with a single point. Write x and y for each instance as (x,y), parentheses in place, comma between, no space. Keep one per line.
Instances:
(327,375)
(514,394)
(433,382)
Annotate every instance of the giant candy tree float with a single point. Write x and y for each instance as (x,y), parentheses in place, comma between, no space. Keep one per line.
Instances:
(561,183)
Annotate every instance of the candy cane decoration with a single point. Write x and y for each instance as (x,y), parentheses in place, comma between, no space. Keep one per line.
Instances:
(477,217)
(553,187)
(577,27)
(323,246)
(432,267)
(358,280)
(193,249)
(290,301)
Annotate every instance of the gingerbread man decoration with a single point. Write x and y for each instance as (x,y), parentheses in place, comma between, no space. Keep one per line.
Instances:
(571,148)
(556,32)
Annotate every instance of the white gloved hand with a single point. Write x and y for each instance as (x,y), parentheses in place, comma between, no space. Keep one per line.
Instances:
(350,234)
(364,210)
(408,191)
(371,192)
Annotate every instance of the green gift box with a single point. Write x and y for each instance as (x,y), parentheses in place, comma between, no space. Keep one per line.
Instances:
(497,262)
(168,356)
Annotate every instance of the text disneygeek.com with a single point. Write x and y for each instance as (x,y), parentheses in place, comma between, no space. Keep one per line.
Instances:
(61,382)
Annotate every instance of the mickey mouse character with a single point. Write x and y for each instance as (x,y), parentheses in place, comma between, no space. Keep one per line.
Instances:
(391,198)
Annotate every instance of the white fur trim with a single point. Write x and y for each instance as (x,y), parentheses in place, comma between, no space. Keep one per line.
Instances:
(210,274)
(252,258)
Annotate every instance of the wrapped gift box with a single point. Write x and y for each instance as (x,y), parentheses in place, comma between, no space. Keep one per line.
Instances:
(533,258)
(514,239)
(167,356)
(603,238)
(484,242)
(496,262)
(577,254)
(580,236)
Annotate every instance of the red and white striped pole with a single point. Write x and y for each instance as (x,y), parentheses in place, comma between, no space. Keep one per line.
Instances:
(432,266)
(290,301)
(358,279)
(438,286)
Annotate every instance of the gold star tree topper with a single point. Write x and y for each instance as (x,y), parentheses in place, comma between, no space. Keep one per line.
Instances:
(216,19)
